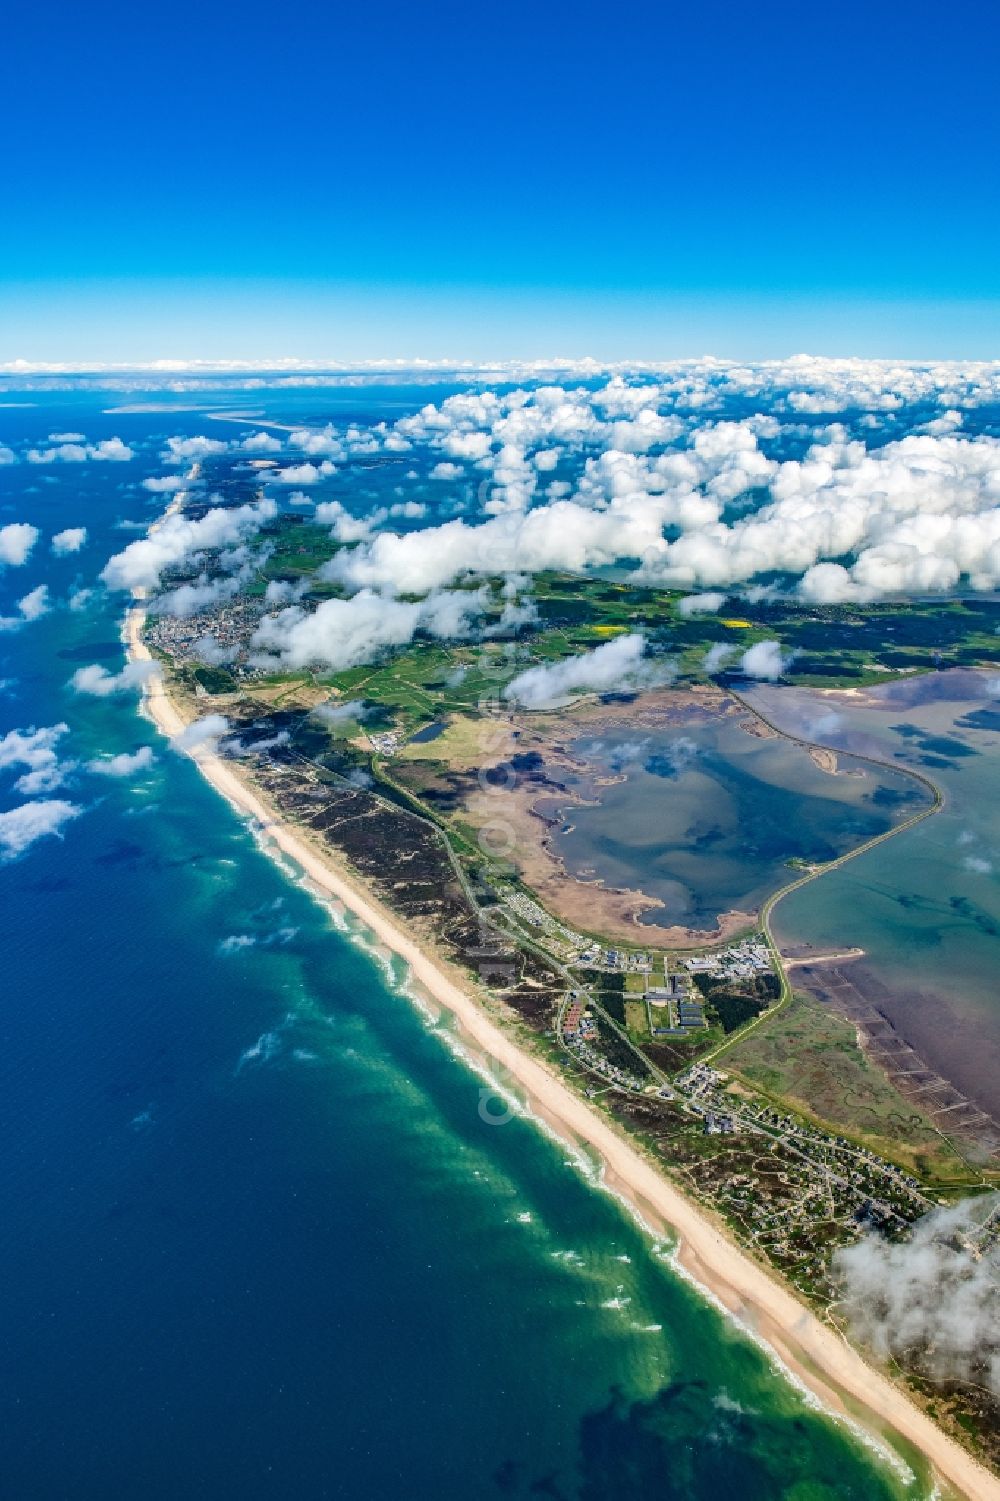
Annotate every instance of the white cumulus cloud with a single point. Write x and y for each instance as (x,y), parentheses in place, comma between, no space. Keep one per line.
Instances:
(178,539)
(109,450)
(301,474)
(70,540)
(180,449)
(31,606)
(16,541)
(342,633)
(339,712)
(123,765)
(717,656)
(37,751)
(765,660)
(21,827)
(700,604)
(932,1296)
(617,664)
(101,683)
(164,484)
(206,731)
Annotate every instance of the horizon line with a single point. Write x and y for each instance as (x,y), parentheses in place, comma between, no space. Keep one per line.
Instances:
(285,365)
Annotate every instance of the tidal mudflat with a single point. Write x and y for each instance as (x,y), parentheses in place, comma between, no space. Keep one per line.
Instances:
(925,907)
(710,818)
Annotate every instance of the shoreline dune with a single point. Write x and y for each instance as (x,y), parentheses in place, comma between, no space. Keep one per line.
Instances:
(814,1354)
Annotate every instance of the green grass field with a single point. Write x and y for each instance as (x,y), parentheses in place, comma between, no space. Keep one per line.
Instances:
(808,1059)
(637,1021)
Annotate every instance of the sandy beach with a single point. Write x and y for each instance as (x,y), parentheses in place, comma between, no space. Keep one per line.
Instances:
(838,1376)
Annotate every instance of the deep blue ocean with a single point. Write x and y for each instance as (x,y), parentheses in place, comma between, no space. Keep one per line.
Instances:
(257,1240)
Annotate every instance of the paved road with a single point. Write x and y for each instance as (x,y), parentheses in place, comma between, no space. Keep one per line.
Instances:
(767,910)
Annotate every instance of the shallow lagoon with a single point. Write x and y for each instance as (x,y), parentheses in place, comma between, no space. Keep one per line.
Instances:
(925,907)
(708,818)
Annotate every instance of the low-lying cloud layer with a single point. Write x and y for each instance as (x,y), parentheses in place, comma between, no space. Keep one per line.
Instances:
(342,633)
(68,541)
(935,1296)
(177,540)
(108,450)
(206,731)
(916,515)
(617,665)
(31,606)
(833,481)
(100,683)
(765,660)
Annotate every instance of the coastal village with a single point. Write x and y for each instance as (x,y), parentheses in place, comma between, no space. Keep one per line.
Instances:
(793,1190)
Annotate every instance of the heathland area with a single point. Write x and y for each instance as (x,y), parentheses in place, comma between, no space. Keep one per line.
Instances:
(600,871)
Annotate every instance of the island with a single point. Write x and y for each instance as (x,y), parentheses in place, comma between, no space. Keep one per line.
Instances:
(510,848)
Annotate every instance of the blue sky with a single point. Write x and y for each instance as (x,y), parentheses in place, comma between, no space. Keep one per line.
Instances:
(484,182)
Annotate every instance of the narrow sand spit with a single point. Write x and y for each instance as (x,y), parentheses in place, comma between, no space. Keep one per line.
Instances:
(817,1357)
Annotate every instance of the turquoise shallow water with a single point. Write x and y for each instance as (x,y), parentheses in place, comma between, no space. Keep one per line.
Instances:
(257,1239)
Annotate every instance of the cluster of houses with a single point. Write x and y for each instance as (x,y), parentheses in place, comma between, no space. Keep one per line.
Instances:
(579,1033)
(857,1169)
(217,637)
(578,1022)
(697,1087)
(593,1058)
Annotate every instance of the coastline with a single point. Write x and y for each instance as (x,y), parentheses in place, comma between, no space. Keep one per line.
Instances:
(819,1359)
